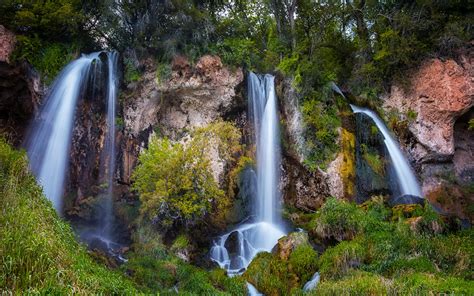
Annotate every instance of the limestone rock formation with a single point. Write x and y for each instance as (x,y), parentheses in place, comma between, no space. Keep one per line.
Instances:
(191,97)
(440,144)
(301,188)
(441,92)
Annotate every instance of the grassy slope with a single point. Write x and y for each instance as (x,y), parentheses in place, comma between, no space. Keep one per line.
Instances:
(38,251)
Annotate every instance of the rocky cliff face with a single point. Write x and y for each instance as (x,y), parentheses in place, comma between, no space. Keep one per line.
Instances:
(438,107)
(20,91)
(193,96)
(300,187)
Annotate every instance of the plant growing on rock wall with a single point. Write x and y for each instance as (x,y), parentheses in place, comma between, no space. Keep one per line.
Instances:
(175,181)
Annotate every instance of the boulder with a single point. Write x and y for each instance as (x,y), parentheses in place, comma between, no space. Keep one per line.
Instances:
(286,245)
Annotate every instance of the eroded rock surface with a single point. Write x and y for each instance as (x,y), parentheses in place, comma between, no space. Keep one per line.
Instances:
(7,44)
(191,97)
(441,92)
(440,143)
(301,188)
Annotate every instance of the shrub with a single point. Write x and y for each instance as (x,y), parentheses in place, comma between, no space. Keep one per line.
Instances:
(339,220)
(48,58)
(131,73)
(174,180)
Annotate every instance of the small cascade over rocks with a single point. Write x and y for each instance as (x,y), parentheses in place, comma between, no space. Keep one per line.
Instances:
(235,250)
(312,283)
(252,290)
(406,179)
(49,138)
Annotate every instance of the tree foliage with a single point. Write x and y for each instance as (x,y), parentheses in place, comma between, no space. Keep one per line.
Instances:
(175,181)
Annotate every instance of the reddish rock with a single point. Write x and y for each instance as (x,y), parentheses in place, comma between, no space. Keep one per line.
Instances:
(441,144)
(181,67)
(7,44)
(440,93)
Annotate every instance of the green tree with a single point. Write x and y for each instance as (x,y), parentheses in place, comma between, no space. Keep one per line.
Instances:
(174,180)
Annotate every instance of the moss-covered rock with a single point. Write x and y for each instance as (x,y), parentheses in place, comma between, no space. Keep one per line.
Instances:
(293,263)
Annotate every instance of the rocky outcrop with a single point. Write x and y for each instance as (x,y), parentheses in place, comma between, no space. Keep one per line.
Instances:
(193,96)
(441,92)
(7,44)
(20,91)
(287,244)
(301,188)
(290,109)
(437,108)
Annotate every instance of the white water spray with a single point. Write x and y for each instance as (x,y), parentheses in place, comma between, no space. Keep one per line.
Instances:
(406,178)
(262,235)
(49,141)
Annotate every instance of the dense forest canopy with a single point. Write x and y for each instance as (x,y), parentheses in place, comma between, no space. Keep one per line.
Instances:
(376,39)
(362,46)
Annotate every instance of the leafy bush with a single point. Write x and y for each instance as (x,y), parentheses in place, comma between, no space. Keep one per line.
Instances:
(339,220)
(48,58)
(174,180)
(131,73)
(38,251)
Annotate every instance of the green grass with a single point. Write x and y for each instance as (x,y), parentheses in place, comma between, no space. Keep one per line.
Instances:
(372,249)
(38,251)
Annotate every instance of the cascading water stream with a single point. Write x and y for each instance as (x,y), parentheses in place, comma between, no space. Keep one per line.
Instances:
(264,233)
(406,178)
(112,58)
(49,140)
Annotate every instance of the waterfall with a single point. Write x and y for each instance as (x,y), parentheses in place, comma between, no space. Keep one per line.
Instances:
(49,140)
(252,291)
(112,58)
(263,234)
(406,178)
(312,283)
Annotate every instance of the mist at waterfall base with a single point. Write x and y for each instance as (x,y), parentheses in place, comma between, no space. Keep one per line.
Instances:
(50,136)
(266,227)
(406,179)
